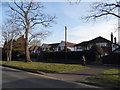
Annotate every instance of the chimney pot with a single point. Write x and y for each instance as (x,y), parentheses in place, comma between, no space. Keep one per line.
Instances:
(115,40)
(112,37)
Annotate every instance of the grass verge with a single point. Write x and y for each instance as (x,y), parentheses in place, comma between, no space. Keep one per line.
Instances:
(110,77)
(44,67)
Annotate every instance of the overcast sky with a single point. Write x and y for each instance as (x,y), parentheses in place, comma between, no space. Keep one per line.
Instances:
(70,16)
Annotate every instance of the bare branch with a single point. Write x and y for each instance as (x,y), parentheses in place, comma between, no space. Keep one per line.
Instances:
(20,7)
(16,11)
(41,35)
(100,9)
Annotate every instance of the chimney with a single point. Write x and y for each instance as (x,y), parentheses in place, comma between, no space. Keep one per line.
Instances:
(115,40)
(111,37)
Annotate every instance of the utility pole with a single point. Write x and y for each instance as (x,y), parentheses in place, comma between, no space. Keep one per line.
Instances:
(65,43)
(65,39)
(119,26)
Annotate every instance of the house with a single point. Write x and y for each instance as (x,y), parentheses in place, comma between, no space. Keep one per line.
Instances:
(117,50)
(62,45)
(34,49)
(58,46)
(107,45)
(45,47)
(19,44)
(54,46)
(82,46)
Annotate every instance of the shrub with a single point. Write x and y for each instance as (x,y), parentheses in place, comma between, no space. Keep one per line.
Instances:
(67,50)
(96,52)
(48,51)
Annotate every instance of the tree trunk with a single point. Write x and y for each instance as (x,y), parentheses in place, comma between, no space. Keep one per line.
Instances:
(7,56)
(26,47)
(10,52)
(10,55)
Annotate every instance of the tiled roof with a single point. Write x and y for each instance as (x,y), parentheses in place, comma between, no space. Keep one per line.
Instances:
(69,44)
(34,47)
(54,44)
(46,45)
(99,39)
(95,40)
(83,43)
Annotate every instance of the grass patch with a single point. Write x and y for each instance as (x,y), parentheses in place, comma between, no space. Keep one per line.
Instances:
(111,77)
(45,67)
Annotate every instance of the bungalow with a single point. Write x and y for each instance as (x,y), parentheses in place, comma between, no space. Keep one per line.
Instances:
(58,46)
(34,49)
(107,45)
(45,47)
(69,45)
(54,46)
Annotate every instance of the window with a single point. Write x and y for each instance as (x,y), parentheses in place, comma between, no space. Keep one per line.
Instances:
(113,45)
(101,44)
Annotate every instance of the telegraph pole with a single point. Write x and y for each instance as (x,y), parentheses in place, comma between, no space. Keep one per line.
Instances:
(65,43)
(65,39)
(119,26)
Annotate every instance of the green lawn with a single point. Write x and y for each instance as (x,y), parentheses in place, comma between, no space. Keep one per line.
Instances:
(45,67)
(111,77)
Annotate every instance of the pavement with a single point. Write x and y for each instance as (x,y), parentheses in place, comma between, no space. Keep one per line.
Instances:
(79,76)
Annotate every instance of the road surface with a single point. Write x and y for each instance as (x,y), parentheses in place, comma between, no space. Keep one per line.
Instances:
(12,78)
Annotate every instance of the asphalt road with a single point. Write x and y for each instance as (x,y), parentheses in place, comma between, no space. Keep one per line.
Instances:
(20,79)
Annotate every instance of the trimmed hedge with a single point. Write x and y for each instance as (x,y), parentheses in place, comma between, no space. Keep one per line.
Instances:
(69,57)
(73,57)
(113,58)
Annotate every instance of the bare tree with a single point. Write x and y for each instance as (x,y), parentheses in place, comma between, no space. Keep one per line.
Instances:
(30,14)
(104,8)
(9,33)
(36,42)
(9,36)
(38,35)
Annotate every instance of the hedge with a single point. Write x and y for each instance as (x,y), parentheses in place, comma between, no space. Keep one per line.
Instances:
(113,58)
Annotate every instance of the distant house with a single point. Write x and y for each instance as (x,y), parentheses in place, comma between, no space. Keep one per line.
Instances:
(115,46)
(117,50)
(107,45)
(54,46)
(19,44)
(69,45)
(45,47)
(58,46)
(34,49)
